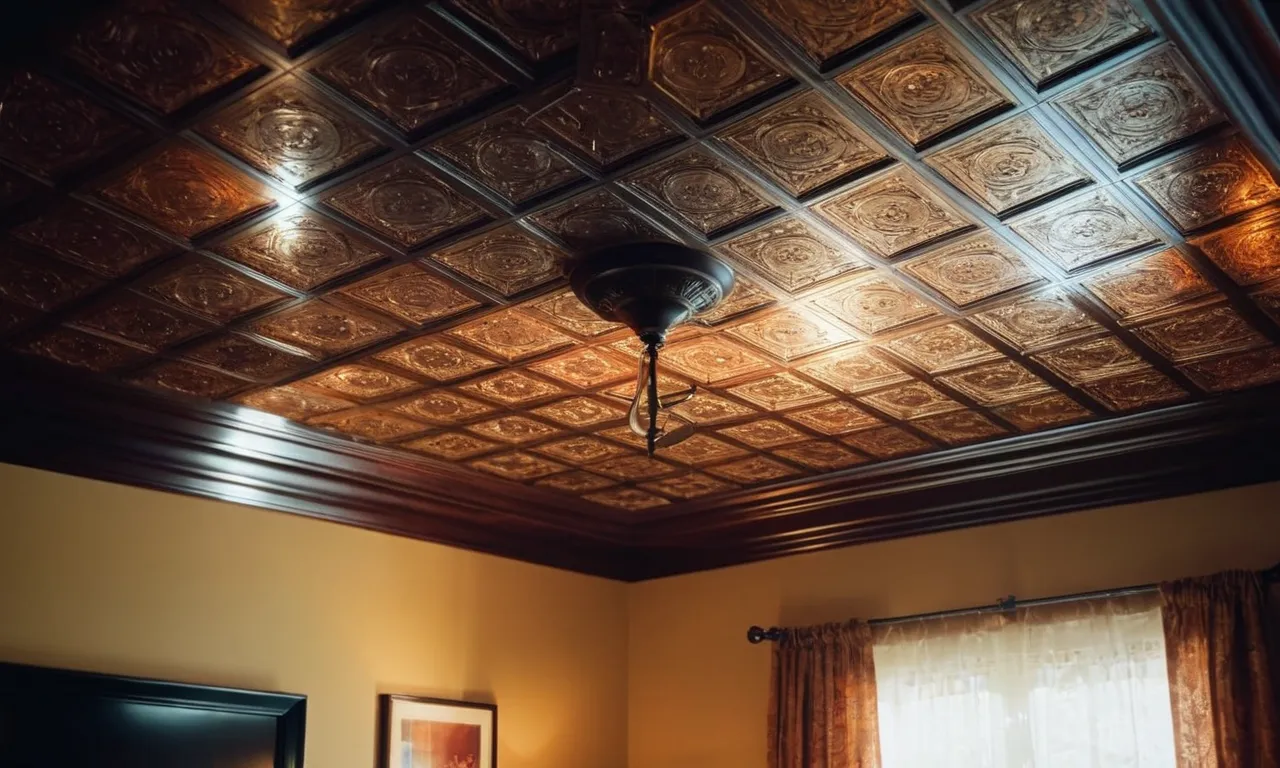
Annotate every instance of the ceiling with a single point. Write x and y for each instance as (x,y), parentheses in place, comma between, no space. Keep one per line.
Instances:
(949,227)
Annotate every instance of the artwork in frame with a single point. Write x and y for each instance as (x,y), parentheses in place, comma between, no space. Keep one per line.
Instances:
(437,733)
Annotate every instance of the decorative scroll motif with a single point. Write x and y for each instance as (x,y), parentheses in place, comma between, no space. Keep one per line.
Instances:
(997,384)
(608,128)
(745,296)
(943,348)
(712,359)
(142,321)
(960,427)
(188,379)
(700,190)
(586,368)
(874,304)
(158,55)
(292,23)
(787,334)
(1084,230)
(538,30)
(444,407)
(581,449)
(825,29)
(293,401)
(300,249)
(1212,182)
(435,360)
(576,482)
(410,71)
(820,455)
(1052,410)
(630,499)
(362,383)
(803,143)
(511,336)
(1148,286)
(82,350)
(208,289)
(780,392)
(836,418)
(580,412)
(1049,39)
(754,471)
(518,466)
(324,328)
(41,284)
(1248,369)
(507,157)
(187,191)
(893,212)
(1038,321)
(792,255)
(764,433)
(705,64)
(1142,389)
(911,401)
(290,133)
(51,130)
(1090,360)
(1212,330)
(854,370)
(1009,166)
(708,408)
(1142,107)
(564,310)
(1249,252)
(636,467)
(246,358)
(512,388)
(593,220)
(411,294)
(925,87)
(701,449)
(694,485)
(451,446)
(405,201)
(971,269)
(507,259)
(93,239)
(887,442)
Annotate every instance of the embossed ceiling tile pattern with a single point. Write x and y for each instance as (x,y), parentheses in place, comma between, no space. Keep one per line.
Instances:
(246,357)
(788,334)
(580,412)
(187,191)
(204,287)
(581,449)
(706,64)
(576,482)
(92,238)
(636,467)
(820,455)
(563,310)
(137,319)
(854,370)
(325,329)
(708,408)
(1049,39)
(411,294)
(514,429)
(51,130)
(1042,412)
(1144,388)
(700,190)
(764,433)
(13,316)
(694,485)
(452,446)
(293,401)
(301,249)
(287,131)
(911,401)
(925,87)
(943,348)
(779,392)
(625,436)
(997,383)
(440,406)
(666,385)
(187,379)
(793,255)
(1148,286)
(1249,252)
(607,128)
(971,269)
(960,427)
(1090,360)
(436,360)
(1212,182)
(823,29)
(586,368)
(594,219)
(40,283)
(537,30)
(1141,107)
(630,499)
(893,212)
(1084,230)
(803,143)
(360,382)
(874,304)
(745,297)
(82,350)
(369,424)
(836,418)
(1200,332)
(291,23)
(517,466)
(513,388)
(712,359)
(410,71)
(887,442)
(510,335)
(14,187)
(1042,319)
(1009,166)
(701,449)
(1268,297)
(1246,369)
(406,201)
(755,470)
(508,259)
(157,54)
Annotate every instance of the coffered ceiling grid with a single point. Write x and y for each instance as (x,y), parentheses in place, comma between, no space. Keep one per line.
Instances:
(443,328)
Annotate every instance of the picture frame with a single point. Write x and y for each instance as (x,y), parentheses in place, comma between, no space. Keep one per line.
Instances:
(423,732)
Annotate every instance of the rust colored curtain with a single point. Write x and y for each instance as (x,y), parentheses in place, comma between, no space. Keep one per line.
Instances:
(822,706)
(1220,680)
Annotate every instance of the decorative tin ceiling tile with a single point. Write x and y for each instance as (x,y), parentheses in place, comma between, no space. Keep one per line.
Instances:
(1084,230)
(1052,410)
(836,418)
(564,310)
(764,433)
(745,296)
(508,260)
(911,401)
(82,350)
(854,370)
(1268,297)
(187,191)
(378,426)
(780,392)
(51,130)
(581,412)
(959,427)
(803,143)
(1249,252)
(608,128)
(1032,322)
(13,316)
(705,64)
(451,446)
(943,348)
(576,482)
(971,269)
(440,406)
(512,388)
(436,360)
(792,254)
(825,29)
(707,408)
(140,320)
(291,23)
(1141,389)
(887,442)
(206,288)
(701,449)
(874,304)
(508,157)
(361,383)
(157,54)
(712,359)
(694,485)
(586,368)
(511,336)
(93,239)
(1214,181)
(667,385)
(1090,360)
(581,449)
(410,293)
(1211,330)
(301,249)
(289,132)
(410,71)
(294,402)
(247,358)
(1049,39)
(537,30)
(405,201)
(754,471)
(517,466)
(925,87)
(594,219)
(326,329)
(625,436)
(1010,165)
(187,379)
(1239,371)
(15,187)
(39,282)
(631,499)
(636,467)
(820,455)
(514,429)
(997,383)
(1148,286)
(701,190)
(893,212)
(1141,107)
(787,334)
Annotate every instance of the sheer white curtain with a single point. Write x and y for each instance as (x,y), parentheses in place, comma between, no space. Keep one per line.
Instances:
(1072,685)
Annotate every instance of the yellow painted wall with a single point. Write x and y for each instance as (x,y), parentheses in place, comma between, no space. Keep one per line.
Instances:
(699,691)
(129,581)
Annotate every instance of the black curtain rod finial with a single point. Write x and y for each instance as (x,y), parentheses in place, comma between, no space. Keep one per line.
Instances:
(757,635)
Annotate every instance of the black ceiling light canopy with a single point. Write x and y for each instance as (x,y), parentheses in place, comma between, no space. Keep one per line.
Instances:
(651,287)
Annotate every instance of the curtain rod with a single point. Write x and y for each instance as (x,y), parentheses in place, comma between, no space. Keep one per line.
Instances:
(757,634)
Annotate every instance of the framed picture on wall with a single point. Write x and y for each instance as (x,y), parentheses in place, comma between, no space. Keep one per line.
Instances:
(436,733)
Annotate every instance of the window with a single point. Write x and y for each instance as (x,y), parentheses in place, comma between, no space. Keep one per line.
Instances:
(1070,685)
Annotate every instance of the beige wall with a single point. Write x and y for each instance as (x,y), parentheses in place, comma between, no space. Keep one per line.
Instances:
(128,581)
(698,690)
